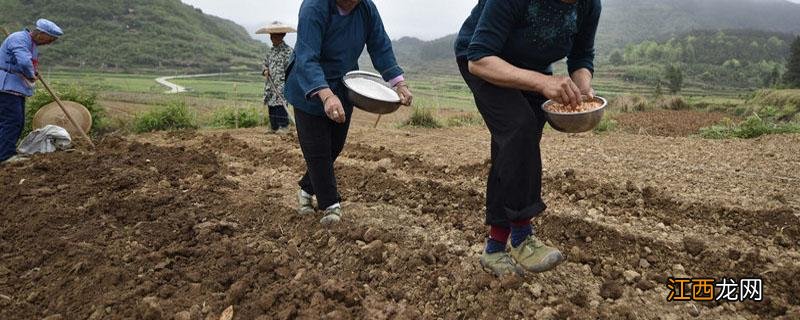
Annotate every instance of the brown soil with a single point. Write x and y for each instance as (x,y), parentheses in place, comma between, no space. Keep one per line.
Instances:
(668,123)
(183,225)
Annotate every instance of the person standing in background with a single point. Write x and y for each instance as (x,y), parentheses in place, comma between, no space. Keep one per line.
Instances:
(275,76)
(19,67)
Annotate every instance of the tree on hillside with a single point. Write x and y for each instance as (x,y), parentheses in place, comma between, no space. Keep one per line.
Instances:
(616,58)
(674,76)
(689,55)
(792,75)
(773,78)
(659,92)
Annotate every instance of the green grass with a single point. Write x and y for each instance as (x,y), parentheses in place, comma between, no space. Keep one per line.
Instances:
(135,83)
(753,127)
(465,120)
(233,118)
(441,91)
(777,97)
(606,124)
(243,88)
(209,97)
(422,118)
(173,116)
(781,104)
(75,93)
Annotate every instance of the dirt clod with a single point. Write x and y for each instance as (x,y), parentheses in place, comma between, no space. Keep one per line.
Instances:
(611,290)
(631,276)
(645,285)
(183,315)
(237,291)
(693,246)
(150,309)
(373,252)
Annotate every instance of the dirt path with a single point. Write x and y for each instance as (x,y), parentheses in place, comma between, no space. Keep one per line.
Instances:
(174,88)
(197,221)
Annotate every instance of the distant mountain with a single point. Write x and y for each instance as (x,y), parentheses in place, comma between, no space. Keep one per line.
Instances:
(625,21)
(136,34)
(632,21)
(146,34)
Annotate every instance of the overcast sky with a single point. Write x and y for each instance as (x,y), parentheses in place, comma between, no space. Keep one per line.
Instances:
(424,19)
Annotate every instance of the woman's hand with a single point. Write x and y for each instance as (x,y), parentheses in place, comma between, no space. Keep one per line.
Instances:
(265,73)
(562,90)
(587,92)
(583,79)
(406,98)
(333,106)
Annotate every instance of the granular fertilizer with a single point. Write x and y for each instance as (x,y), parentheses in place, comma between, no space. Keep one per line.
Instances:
(372,89)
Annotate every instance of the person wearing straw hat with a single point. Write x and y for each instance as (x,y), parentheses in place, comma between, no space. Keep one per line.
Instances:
(19,65)
(275,74)
(505,51)
(331,35)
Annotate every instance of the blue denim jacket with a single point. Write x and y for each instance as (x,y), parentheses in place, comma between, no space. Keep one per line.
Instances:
(17,55)
(329,45)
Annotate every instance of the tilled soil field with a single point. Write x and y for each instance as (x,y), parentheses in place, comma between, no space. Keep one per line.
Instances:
(184,225)
(668,123)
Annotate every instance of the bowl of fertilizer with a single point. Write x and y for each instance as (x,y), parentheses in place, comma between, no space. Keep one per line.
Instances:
(585,117)
(370,93)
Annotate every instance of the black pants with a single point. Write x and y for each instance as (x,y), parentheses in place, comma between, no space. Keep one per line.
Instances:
(321,140)
(12,120)
(278,117)
(515,121)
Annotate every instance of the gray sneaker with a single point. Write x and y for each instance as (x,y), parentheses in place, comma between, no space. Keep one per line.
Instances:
(535,256)
(283,131)
(332,216)
(305,205)
(500,264)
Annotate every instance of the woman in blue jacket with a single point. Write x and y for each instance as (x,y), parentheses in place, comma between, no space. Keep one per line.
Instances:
(331,36)
(504,52)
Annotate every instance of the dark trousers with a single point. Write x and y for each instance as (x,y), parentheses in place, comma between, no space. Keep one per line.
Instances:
(278,117)
(12,119)
(321,140)
(515,121)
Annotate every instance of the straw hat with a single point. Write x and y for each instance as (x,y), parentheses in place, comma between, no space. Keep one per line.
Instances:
(52,114)
(276,27)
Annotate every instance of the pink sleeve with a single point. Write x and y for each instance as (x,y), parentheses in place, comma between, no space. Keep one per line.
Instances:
(397,80)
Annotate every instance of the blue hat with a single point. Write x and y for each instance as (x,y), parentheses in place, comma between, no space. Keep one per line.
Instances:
(49,27)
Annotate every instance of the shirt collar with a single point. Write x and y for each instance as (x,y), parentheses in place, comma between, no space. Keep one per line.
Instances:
(343,12)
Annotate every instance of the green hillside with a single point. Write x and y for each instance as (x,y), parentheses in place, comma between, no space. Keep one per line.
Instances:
(625,21)
(631,21)
(136,34)
(737,58)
